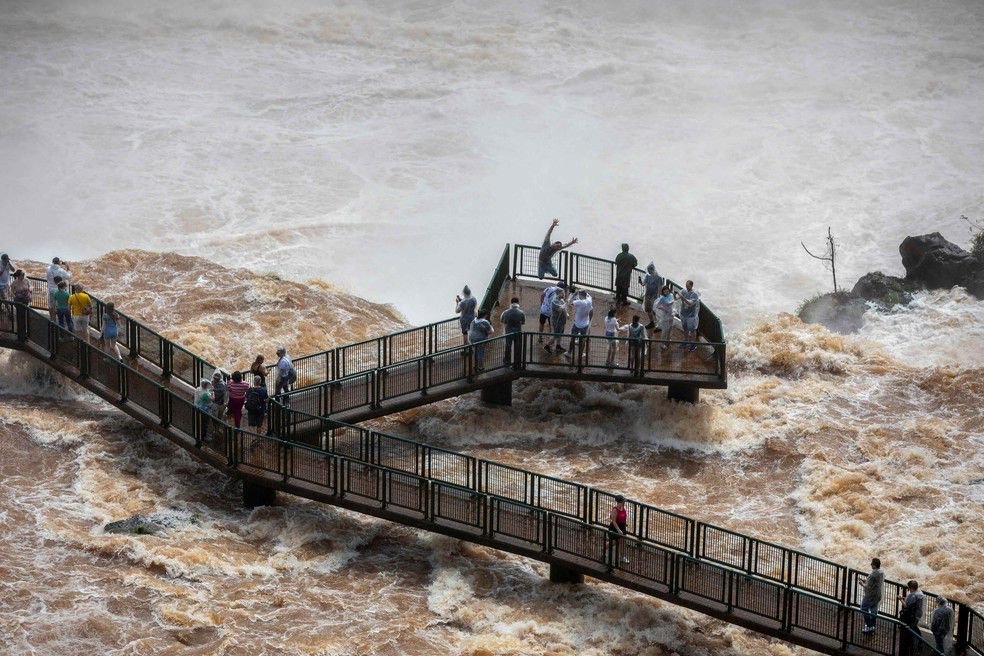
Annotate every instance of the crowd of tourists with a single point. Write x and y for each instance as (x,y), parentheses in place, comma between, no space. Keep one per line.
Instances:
(71,307)
(561,303)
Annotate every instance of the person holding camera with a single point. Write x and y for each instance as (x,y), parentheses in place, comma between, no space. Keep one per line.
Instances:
(466,305)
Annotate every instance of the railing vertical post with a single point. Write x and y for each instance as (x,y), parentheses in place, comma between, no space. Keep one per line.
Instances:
(133,338)
(288,460)
(20,319)
(962,637)
(164,403)
(83,352)
(167,358)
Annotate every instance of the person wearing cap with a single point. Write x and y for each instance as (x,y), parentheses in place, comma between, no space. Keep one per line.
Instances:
(466,304)
(6,268)
(81,306)
(942,623)
(546,301)
(57,269)
(545,263)
(618,522)
(625,262)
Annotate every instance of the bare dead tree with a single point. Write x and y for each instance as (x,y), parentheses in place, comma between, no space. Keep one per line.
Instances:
(829,257)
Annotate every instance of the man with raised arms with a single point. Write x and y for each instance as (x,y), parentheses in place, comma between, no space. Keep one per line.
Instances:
(549,249)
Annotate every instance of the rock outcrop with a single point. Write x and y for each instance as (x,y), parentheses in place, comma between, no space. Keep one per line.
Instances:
(840,312)
(886,291)
(935,263)
(136,525)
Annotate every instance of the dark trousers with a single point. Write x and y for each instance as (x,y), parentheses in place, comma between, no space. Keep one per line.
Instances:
(513,348)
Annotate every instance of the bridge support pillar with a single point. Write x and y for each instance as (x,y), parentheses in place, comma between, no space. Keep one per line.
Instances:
(255,495)
(683,392)
(498,394)
(560,574)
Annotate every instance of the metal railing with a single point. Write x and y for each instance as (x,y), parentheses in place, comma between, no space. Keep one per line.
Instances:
(512,508)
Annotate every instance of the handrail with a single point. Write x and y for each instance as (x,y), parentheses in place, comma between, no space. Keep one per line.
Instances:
(705,547)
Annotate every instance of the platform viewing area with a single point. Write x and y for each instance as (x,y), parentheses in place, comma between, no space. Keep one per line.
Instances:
(316,450)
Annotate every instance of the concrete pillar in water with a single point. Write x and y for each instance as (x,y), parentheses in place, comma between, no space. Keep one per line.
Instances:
(255,495)
(560,574)
(498,394)
(683,392)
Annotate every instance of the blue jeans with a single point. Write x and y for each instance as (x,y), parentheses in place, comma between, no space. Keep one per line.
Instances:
(513,341)
(870,613)
(65,319)
(575,331)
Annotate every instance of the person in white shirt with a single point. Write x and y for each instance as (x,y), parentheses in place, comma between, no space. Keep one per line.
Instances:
(546,311)
(57,269)
(612,329)
(583,311)
(285,371)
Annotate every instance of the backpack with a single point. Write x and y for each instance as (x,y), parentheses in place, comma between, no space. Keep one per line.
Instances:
(291,375)
(254,401)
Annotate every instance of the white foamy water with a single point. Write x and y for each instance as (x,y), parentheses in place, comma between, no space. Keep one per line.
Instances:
(391,150)
(360,143)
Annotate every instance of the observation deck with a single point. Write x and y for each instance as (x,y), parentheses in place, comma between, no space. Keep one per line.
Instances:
(774,590)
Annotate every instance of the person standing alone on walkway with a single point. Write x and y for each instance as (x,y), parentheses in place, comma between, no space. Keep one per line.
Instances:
(872,595)
(512,323)
(548,250)
(466,304)
(625,262)
(618,524)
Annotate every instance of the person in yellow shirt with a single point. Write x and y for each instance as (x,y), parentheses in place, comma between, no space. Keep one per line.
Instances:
(81,305)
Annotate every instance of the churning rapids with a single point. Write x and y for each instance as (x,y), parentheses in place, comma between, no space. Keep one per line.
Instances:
(392,150)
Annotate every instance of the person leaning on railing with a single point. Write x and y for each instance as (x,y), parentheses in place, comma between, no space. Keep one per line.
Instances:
(20,288)
(872,595)
(913,605)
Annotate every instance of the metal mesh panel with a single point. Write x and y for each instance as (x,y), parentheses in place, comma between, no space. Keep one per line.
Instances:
(667,529)
(351,393)
(405,491)
(183,415)
(518,521)
(8,318)
(723,546)
(395,453)
(313,369)
(406,345)
(37,330)
(592,272)
(261,452)
(450,467)
(816,575)
(976,631)
(580,539)
(458,505)
(39,293)
(349,442)
(362,479)
(150,345)
(448,367)
(882,641)
(528,261)
(758,597)
(144,392)
(183,365)
(769,561)
(357,358)
(704,580)
(312,466)
(105,369)
(560,496)
(308,401)
(507,482)
(646,561)
(400,379)
(67,349)
(814,614)
(446,334)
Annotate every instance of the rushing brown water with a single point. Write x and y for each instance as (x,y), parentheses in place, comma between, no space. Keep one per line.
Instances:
(847,447)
